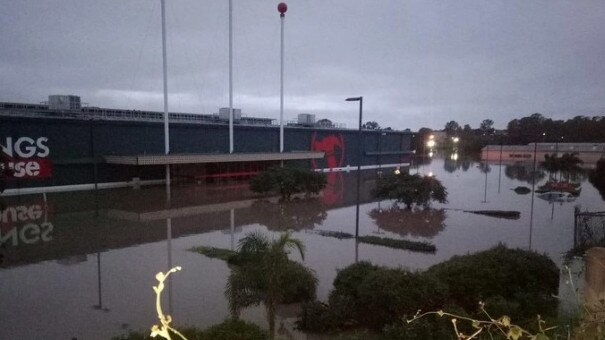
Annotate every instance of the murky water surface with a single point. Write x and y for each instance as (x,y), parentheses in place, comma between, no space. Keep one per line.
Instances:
(82,264)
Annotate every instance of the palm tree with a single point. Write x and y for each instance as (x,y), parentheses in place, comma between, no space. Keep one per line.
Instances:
(263,273)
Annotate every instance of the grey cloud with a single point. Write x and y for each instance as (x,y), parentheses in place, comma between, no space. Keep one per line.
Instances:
(417,63)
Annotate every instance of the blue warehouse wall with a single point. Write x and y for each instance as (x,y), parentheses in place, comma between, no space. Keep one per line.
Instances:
(75,144)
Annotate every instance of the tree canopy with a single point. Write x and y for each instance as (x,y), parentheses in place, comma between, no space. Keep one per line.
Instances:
(371,125)
(411,190)
(287,181)
(452,128)
(264,274)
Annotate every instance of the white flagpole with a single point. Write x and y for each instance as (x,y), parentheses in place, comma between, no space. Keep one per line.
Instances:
(165,69)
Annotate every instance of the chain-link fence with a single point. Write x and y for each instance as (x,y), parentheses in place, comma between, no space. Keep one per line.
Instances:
(589,229)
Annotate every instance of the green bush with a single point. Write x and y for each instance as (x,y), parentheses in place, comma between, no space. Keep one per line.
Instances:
(427,328)
(287,181)
(235,330)
(512,282)
(372,296)
(317,317)
(518,277)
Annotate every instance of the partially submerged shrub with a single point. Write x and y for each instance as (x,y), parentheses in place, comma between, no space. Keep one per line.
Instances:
(287,181)
(226,330)
(411,189)
(373,296)
(420,246)
(519,277)
(511,282)
(318,317)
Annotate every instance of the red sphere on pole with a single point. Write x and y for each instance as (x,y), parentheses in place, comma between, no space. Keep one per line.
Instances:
(282,8)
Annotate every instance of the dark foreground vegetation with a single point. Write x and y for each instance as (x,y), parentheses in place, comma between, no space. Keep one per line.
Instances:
(227,330)
(513,282)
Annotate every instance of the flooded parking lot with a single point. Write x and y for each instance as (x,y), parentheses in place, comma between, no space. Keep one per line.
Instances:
(82,264)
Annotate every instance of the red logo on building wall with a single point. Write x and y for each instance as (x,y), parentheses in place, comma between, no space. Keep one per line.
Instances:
(333,146)
(26,157)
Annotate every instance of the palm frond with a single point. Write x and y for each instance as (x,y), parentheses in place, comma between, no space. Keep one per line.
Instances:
(286,242)
(253,243)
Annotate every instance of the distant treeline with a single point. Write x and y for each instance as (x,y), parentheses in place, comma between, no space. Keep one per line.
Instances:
(578,129)
(533,128)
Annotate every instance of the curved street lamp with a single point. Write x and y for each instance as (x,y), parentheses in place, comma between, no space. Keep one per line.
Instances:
(360,154)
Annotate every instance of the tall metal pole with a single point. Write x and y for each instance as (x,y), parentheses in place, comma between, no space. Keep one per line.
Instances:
(360,155)
(165,76)
(282,8)
(230,76)
(359,158)
(533,192)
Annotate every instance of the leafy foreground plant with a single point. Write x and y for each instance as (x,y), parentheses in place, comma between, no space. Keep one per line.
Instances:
(164,328)
(215,253)
(264,274)
(502,326)
(227,330)
(512,282)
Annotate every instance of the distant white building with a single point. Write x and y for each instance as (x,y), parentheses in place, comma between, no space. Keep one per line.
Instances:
(589,153)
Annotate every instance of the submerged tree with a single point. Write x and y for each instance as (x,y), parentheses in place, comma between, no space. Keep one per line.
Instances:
(411,189)
(288,180)
(567,164)
(415,222)
(264,274)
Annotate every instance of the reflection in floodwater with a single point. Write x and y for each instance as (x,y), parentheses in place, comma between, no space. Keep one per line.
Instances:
(333,192)
(415,222)
(456,162)
(102,249)
(597,178)
(523,173)
(293,215)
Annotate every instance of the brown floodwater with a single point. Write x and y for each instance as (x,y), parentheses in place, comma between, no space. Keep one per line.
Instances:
(82,264)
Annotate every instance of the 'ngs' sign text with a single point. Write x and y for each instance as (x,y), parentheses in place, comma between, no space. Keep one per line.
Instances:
(27,157)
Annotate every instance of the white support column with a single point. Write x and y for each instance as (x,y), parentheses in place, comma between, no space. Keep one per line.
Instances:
(230,76)
(165,78)
(282,10)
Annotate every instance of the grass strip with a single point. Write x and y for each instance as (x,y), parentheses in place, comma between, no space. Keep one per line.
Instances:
(425,247)
(215,253)
(511,215)
(337,234)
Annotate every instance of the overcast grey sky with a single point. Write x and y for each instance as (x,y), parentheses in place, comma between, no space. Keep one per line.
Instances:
(417,63)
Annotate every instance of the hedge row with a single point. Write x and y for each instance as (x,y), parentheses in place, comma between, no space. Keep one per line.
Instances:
(512,282)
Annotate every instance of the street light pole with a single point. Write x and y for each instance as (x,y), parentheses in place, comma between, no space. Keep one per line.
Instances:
(359,158)
(281,8)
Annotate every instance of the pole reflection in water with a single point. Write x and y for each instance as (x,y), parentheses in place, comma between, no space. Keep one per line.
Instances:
(533,194)
(232,229)
(99,305)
